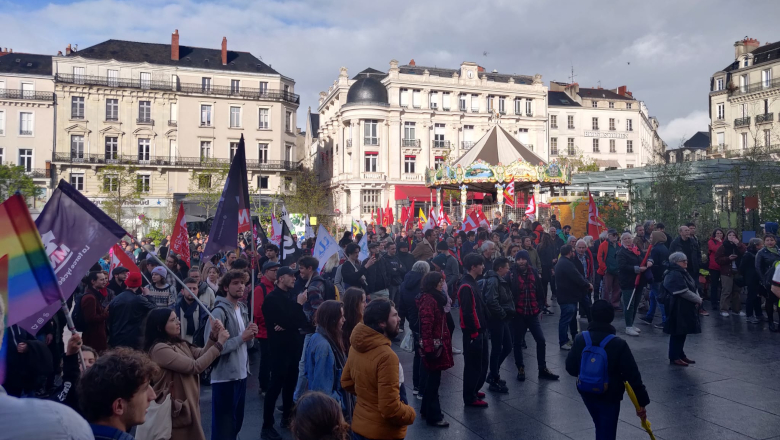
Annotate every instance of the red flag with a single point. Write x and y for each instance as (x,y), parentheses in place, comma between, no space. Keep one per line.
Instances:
(531,209)
(410,218)
(389,215)
(118,257)
(471,222)
(379,217)
(595,224)
(509,193)
(404,216)
(483,219)
(180,240)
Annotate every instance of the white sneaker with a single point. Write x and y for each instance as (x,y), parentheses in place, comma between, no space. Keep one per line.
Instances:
(566,346)
(637,329)
(456,350)
(724,314)
(630,331)
(742,314)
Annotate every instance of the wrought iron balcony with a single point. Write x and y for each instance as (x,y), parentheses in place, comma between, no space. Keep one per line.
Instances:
(441,144)
(112,118)
(446,109)
(77,115)
(349,143)
(611,128)
(411,143)
(25,133)
(466,144)
(754,87)
(174,86)
(169,161)
(39,173)
(370,141)
(554,152)
(716,149)
(742,122)
(765,118)
(145,121)
(26,95)
(173,123)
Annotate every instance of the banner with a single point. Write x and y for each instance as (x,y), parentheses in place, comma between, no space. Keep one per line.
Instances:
(483,220)
(117,258)
(232,216)
(325,247)
(471,222)
(530,211)
(595,224)
(509,193)
(289,249)
(75,234)
(260,236)
(180,240)
(309,232)
(276,231)
(363,248)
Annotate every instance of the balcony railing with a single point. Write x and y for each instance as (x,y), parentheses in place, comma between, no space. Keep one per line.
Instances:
(370,141)
(611,128)
(173,123)
(411,143)
(27,95)
(170,161)
(716,149)
(554,152)
(742,122)
(145,121)
(374,176)
(765,118)
(349,143)
(466,144)
(441,144)
(414,177)
(39,173)
(174,86)
(755,87)
(25,133)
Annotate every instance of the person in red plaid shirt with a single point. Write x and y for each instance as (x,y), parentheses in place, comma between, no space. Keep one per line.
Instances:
(525,282)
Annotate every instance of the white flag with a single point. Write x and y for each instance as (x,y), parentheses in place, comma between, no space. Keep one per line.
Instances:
(276,231)
(363,248)
(325,247)
(309,232)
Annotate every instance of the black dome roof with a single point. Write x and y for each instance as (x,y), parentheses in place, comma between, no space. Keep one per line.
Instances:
(367,90)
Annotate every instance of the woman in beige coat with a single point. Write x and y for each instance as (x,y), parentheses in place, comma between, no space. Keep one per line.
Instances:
(180,364)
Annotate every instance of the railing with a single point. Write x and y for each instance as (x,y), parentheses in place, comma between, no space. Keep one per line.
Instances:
(463,109)
(39,173)
(554,152)
(553,125)
(174,86)
(474,110)
(146,121)
(441,144)
(374,176)
(24,94)
(412,177)
(25,133)
(205,124)
(466,145)
(172,161)
(755,87)
(570,127)
(112,118)
(716,149)
(77,115)
(410,142)
(529,114)
(611,128)
(445,109)
(742,122)
(370,141)
(173,123)
(766,117)
(349,143)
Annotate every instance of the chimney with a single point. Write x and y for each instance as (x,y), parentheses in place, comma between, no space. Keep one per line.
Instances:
(751,44)
(175,45)
(68,50)
(224,51)
(59,53)
(480,69)
(622,91)
(412,63)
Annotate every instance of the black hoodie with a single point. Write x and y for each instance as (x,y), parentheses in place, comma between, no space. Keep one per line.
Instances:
(409,290)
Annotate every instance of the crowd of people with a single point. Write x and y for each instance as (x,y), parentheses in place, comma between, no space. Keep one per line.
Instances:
(324,338)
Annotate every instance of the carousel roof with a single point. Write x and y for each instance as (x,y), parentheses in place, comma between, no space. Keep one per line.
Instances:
(498,146)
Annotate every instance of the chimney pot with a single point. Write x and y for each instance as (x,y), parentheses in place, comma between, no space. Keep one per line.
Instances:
(68,50)
(175,45)
(224,51)
(11,50)
(412,63)
(59,53)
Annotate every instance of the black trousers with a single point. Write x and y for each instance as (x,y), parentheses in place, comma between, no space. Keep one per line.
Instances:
(521,324)
(265,363)
(431,408)
(476,360)
(284,378)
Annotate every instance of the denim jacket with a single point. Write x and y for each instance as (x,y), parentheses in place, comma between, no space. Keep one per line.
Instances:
(320,367)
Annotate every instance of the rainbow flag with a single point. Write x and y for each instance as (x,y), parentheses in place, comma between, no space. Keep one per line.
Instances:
(29,270)
(4,305)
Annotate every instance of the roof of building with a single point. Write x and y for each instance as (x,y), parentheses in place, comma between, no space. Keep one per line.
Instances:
(447,73)
(762,54)
(367,90)
(699,141)
(26,63)
(555,99)
(498,146)
(155,53)
(378,74)
(602,94)
(314,121)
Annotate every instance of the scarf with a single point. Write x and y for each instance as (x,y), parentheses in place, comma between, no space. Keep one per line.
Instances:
(773,250)
(633,248)
(188,310)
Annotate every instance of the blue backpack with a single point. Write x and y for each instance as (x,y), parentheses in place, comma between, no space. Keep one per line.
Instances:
(594,374)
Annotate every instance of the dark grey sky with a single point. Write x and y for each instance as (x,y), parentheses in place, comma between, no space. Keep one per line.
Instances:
(673,47)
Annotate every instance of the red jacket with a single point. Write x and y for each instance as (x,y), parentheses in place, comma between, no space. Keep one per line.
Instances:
(95,315)
(539,230)
(712,248)
(433,325)
(262,332)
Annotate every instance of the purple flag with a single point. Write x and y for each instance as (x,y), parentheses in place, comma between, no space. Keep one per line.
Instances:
(75,234)
(232,215)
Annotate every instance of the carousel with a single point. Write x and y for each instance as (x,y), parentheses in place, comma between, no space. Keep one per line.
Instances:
(498,160)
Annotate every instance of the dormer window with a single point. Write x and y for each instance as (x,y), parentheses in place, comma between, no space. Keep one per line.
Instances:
(745,62)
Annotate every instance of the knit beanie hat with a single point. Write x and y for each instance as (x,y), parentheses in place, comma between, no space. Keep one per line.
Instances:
(522,254)
(440,260)
(159,270)
(602,312)
(133,280)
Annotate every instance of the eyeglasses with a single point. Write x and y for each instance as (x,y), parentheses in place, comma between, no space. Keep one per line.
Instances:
(684,261)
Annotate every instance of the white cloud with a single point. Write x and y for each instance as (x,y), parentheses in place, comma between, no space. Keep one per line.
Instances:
(679,130)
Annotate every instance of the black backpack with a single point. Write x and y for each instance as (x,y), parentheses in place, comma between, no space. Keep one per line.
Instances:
(78,315)
(199,338)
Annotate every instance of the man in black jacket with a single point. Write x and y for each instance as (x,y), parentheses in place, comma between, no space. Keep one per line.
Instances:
(473,322)
(621,367)
(117,283)
(377,274)
(572,288)
(127,313)
(283,317)
(498,300)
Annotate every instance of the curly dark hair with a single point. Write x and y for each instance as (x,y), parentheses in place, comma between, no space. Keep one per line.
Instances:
(317,416)
(118,374)
(228,278)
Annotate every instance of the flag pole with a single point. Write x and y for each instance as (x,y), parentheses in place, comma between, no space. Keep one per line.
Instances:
(251,298)
(72,327)
(194,296)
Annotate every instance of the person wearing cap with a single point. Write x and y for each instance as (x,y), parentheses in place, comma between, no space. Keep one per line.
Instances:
(604,408)
(117,283)
(264,287)
(524,283)
(126,314)
(284,317)
(609,269)
(160,291)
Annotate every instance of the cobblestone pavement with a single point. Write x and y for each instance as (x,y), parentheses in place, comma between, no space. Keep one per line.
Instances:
(732,392)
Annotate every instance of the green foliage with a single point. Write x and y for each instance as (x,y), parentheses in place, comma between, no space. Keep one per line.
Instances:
(580,163)
(13,178)
(307,195)
(207,184)
(613,212)
(119,186)
(156,235)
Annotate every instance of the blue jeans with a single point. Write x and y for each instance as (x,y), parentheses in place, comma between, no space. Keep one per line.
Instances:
(604,414)
(227,409)
(567,314)
(654,288)
(303,382)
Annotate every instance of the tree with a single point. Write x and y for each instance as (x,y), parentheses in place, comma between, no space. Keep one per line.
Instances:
(304,194)
(207,184)
(14,178)
(580,163)
(121,188)
(614,212)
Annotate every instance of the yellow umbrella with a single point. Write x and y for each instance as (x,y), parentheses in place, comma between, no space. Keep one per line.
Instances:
(645,422)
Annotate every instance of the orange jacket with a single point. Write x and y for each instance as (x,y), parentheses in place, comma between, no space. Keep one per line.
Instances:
(601,255)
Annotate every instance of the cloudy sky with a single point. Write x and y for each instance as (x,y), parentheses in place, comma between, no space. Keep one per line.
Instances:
(664,51)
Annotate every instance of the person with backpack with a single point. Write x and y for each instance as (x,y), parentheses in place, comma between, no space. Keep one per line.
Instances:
(683,318)
(602,363)
(498,299)
(91,314)
(766,261)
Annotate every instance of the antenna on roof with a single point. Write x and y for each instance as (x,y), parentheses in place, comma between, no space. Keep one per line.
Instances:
(599,83)
(571,78)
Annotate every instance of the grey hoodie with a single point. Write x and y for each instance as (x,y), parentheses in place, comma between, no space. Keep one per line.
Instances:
(228,367)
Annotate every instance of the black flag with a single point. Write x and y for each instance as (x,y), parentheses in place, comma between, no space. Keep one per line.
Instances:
(289,248)
(261,239)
